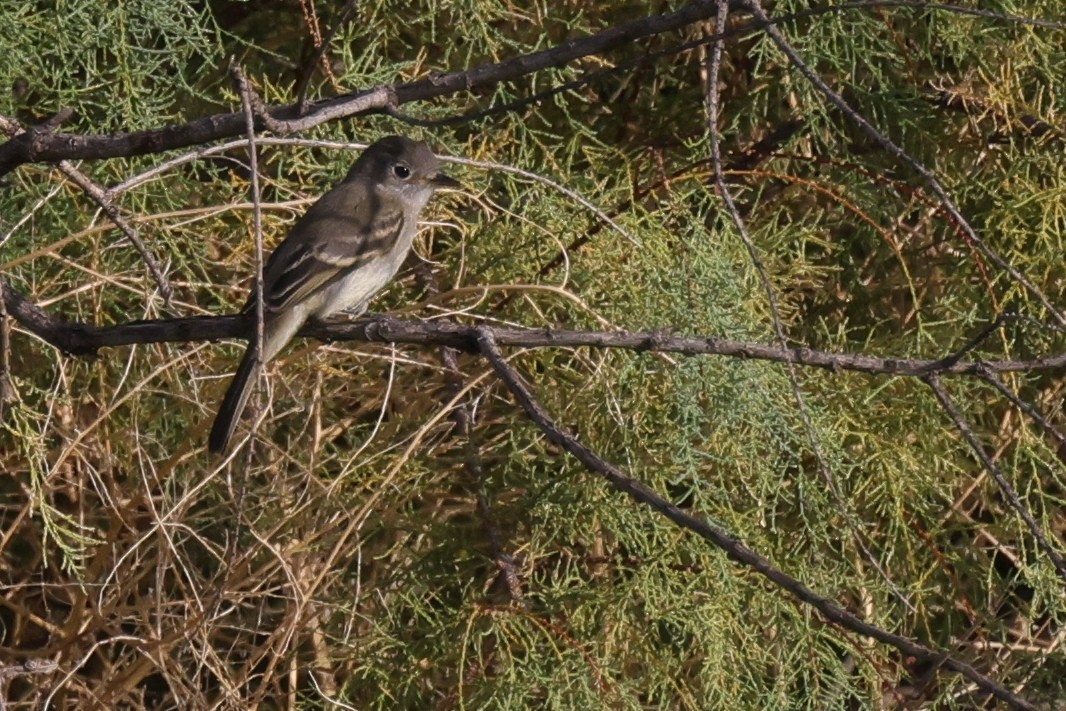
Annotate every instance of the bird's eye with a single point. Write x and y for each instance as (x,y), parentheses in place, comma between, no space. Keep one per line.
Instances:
(402,171)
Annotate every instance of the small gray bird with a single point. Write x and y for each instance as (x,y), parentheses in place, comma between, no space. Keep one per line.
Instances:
(342,252)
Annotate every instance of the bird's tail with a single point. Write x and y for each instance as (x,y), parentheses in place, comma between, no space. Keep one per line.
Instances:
(229,412)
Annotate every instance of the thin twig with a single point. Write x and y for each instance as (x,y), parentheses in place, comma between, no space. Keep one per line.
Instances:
(7,388)
(304,82)
(537,178)
(1005,487)
(895,150)
(25,668)
(1034,414)
(975,342)
(101,198)
(463,415)
(249,100)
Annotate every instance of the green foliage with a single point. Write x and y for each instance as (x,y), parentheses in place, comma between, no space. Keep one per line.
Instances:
(349,555)
(120,66)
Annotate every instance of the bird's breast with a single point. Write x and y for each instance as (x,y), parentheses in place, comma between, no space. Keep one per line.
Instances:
(360,285)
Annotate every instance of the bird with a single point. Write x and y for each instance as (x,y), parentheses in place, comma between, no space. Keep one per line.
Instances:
(344,250)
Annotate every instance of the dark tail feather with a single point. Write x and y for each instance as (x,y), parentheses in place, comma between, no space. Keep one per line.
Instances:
(229,412)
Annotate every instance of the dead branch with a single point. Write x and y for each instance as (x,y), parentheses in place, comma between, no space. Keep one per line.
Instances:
(37,146)
(76,338)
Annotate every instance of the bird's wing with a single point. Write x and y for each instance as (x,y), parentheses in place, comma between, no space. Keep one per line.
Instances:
(319,251)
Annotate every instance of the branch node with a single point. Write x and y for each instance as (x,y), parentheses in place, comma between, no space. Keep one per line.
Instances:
(259,108)
(55,121)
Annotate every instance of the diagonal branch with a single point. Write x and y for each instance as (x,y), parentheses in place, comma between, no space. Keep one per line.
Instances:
(103,199)
(1005,487)
(893,149)
(731,546)
(1029,409)
(45,146)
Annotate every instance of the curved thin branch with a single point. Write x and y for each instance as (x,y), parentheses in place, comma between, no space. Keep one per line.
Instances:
(895,150)
(1005,487)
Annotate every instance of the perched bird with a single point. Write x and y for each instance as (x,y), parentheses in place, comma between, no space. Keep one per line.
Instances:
(342,252)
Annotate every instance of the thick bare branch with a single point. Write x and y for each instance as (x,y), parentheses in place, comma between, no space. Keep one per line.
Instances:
(84,339)
(46,146)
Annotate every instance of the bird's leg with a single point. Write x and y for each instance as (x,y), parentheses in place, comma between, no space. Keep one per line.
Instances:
(359,311)
(356,311)
(347,315)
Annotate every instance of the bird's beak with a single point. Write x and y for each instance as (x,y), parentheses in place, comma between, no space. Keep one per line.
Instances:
(440,180)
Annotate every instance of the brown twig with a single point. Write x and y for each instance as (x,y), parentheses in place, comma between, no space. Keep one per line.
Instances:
(101,198)
(893,149)
(474,466)
(7,388)
(26,668)
(1005,487)
(1030,410)
(250,102)
(463,415)
(321,47)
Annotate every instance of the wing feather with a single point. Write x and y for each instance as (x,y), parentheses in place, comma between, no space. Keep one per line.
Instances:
(315,263)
